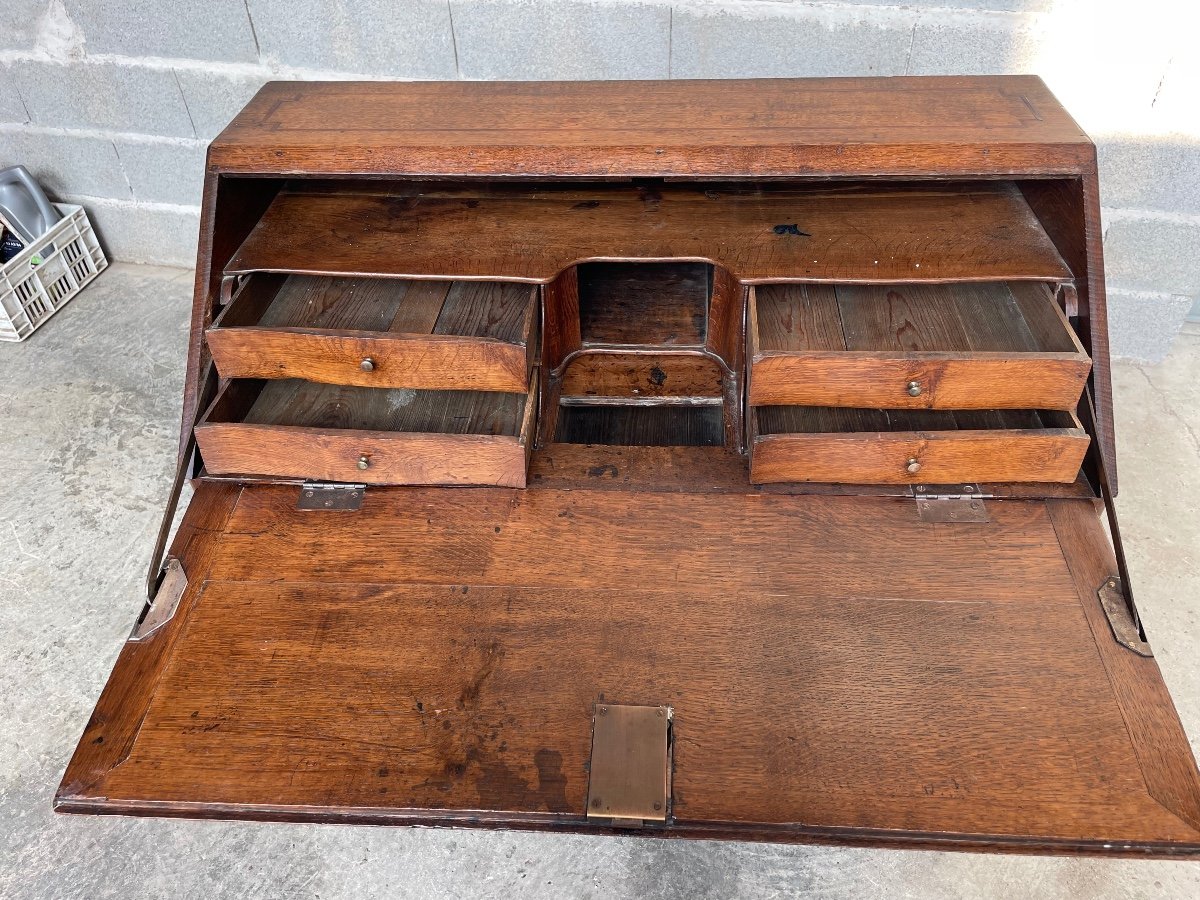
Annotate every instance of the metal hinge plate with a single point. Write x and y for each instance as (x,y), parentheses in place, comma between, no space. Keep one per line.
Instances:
(159,611)
(630,771)
(950,503)
(1116,608)
(330,495)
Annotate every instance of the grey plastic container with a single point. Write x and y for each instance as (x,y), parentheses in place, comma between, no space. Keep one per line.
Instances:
(24,206)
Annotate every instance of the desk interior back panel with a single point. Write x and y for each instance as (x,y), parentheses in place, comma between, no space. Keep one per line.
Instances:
(655,304)
(845,232)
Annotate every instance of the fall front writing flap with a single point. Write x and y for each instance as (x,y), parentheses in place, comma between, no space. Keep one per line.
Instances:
(836,668)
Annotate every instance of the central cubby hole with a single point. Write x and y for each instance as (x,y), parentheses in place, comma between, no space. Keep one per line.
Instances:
(662,304)
(645,373)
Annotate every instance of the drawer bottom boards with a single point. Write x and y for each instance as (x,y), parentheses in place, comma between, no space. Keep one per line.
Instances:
(836,670)
(875,446)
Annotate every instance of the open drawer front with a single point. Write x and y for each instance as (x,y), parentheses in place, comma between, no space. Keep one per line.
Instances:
(891,446)
(968,345)
(318,432)
(440,656)
(378,332)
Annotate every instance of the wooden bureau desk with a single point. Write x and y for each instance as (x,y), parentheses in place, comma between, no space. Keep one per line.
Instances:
(704,459)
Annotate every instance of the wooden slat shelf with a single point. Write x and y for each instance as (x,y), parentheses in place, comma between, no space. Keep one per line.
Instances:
(378,332)
(949,346)
(843,232)
(641,426)
(300,429)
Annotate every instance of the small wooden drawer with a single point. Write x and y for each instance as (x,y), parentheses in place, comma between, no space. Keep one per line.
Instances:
(874,446)
(378,332)
(985,345)
(305,430)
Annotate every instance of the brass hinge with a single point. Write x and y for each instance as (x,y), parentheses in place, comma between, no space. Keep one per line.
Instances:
(630,771)
(950,503)
(330,495)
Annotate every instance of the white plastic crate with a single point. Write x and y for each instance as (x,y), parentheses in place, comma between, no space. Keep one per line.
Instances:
(29,294)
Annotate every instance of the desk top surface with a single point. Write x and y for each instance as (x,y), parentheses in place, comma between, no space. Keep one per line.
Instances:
(819,127)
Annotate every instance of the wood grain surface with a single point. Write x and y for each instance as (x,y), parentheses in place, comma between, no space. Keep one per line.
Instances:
(882,684)
(642,376)
(320,432)
(840,671)
(324,454)
(966,346)
(644,304)
(875,446)
(772,130)
(117,718)
(860,232)
(716,470)
(229,210)
(1145,704)
(1069,210)
(435,335)
(764,127)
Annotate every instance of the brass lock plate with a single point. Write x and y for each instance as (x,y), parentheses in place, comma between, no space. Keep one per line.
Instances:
(630,769)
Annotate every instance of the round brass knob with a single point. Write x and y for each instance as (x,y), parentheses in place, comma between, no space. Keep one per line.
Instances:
(364,461)
(912,467)
(914,389)
(367,365)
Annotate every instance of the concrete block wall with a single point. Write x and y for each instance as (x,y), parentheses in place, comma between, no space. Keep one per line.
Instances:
(111,102)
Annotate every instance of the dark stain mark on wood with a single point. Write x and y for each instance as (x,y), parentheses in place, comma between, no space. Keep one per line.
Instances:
(492,654)
(552,783)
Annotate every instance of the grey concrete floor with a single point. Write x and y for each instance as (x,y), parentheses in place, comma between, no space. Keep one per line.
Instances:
(89,408)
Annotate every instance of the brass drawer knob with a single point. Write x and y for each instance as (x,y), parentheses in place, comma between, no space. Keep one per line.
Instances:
(364,461)
(914,389)
(367,365)
(912,467)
